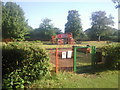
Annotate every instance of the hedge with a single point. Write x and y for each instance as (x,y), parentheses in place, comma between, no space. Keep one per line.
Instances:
(23,63)
(112,55)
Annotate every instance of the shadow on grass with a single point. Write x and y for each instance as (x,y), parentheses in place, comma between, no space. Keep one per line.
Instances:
(88,69)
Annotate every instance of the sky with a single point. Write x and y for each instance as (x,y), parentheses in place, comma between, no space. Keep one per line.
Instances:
(57,11)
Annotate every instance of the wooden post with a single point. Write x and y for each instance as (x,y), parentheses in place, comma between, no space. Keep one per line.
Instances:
(56,60)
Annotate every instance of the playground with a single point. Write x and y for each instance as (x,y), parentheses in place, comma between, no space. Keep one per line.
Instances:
(65,38)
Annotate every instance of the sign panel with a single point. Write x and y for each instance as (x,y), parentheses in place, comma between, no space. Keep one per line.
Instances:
(69,54)
(63,55)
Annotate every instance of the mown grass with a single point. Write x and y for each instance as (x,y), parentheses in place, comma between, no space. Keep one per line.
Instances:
(107,79)
(84,78)
(83,43)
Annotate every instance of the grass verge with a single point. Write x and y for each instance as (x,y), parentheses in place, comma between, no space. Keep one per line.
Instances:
(106,79)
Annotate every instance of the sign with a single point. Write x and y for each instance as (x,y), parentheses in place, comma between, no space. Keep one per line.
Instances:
(63,55)
(69,54)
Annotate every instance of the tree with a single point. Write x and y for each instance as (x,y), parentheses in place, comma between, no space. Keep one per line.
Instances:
(46,30)
(108,34)
(73,24)
(117,2)
(14,25)
(57,30)
(30,32)
(91,34)
(100,23)
(114,36)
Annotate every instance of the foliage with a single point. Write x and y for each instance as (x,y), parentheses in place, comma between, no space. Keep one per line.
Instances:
(100,23)
(45,30)
(14,25)
(117,2)
(112,55)
(13,80)
(73,24)
(108,34)
(91,34)
(30,30)
(23,63)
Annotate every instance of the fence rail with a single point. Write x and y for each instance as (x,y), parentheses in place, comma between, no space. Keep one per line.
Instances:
(55,56)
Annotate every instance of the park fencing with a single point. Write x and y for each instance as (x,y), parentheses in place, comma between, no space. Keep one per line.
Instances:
(61,59)
(75,59)
(83,57)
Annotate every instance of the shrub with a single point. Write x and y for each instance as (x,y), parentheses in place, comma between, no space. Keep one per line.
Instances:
(23,63)
(112,55)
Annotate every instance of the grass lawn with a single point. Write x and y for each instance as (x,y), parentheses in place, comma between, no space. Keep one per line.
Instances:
(106,79)
(84,43)
(85,77)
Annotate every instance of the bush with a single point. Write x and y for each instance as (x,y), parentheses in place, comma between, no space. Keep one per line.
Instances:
(23,63)
(112,55)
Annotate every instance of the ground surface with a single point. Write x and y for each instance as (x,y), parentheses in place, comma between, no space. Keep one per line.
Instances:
(100,79)
(85,77)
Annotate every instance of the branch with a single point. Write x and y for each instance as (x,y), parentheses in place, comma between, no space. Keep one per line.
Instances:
(117,6)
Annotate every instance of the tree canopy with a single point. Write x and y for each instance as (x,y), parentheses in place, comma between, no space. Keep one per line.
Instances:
(117,2)
(100,23)
(108,34)
(45,31)
(73,24)
(14,25)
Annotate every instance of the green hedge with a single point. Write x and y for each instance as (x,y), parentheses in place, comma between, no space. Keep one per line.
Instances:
(23,63)
(112,55)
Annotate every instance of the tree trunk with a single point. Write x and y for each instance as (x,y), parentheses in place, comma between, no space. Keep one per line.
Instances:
(99,38)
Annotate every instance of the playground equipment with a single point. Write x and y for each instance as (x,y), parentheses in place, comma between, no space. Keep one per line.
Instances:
(63,39)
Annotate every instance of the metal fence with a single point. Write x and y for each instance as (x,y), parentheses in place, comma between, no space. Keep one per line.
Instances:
(72,59)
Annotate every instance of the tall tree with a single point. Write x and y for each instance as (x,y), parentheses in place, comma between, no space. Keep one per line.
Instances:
(45,30)
(117,2)
(14,25)
(100,23)
(73,24)
(107,34)
(30,32)
(58,31)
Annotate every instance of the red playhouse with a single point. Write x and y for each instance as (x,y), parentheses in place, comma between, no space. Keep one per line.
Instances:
(63,39)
